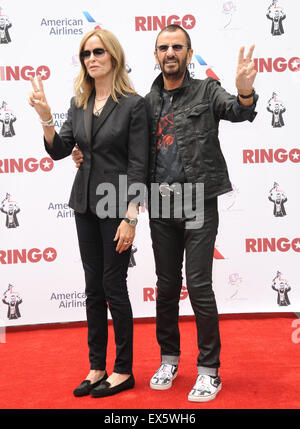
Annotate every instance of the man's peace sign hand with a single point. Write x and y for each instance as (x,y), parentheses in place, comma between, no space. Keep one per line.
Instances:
(246,73)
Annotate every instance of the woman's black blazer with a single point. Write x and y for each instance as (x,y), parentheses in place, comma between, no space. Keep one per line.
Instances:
(118,146)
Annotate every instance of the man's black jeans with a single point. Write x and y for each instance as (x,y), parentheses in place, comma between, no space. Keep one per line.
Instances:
(169,240)
(105,276)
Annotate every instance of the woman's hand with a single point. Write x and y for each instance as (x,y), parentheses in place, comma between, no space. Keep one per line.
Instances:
(37,100)
(125,234)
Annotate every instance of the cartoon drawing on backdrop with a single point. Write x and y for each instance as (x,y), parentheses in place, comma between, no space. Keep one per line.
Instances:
(229,199)
(234,281)
(281,286)
(5,24)
(276,107)
(13,300)
(7,117)
(132,262)
(278,198)
(10,209)
(276,14)
(228,9)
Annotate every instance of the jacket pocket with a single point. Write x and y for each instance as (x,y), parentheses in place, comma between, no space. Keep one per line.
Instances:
(199,118)
(197,110)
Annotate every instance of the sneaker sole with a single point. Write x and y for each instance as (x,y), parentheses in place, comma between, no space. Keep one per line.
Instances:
(162,386)
(205,398)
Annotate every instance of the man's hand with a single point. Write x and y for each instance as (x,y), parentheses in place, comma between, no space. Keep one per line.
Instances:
(77,156)
(245,75)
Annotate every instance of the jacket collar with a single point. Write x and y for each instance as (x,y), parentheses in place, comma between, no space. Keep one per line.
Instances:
(88,115)
(158,83)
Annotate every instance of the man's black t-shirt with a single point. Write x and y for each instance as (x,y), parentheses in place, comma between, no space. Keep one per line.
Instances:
(169,168)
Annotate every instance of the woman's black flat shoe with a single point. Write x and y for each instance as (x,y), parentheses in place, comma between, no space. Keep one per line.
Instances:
(104,388)
(85,386)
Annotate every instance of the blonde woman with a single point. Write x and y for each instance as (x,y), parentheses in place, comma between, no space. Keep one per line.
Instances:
(108,122)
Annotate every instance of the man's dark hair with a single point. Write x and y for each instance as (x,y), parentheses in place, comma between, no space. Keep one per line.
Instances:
(174,27)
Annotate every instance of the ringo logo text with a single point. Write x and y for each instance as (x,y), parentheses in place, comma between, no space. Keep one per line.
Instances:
(23,256)
(153,23)
(8,73)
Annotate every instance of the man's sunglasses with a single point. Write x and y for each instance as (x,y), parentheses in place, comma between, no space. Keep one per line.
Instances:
(98,52)
(176,48)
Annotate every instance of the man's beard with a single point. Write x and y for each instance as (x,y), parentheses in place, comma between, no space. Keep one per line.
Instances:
(177,72)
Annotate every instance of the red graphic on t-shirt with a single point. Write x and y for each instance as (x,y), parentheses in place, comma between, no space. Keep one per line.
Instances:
(165,131)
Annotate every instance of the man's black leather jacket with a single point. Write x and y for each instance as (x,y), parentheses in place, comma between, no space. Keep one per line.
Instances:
(198,107)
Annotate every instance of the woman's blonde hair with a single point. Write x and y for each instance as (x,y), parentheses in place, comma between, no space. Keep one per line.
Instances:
(84,84)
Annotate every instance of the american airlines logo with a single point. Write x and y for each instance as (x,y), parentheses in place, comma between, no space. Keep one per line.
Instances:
(208,69)
(95,25)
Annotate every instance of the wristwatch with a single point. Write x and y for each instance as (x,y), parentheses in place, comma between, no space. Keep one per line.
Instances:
(131,222)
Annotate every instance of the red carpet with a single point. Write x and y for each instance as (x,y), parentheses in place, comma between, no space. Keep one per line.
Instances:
(260,369)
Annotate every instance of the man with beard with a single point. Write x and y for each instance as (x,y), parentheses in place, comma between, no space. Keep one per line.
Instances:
(185,148)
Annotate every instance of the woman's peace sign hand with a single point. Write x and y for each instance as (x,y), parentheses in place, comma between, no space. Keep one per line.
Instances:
(37,99)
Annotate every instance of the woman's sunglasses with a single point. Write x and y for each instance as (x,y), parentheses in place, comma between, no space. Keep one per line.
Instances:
(98,52)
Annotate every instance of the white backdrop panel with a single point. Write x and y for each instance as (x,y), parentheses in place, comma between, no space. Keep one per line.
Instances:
(41,274)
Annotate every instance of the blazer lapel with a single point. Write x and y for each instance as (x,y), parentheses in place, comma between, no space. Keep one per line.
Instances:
(88,117)
(109,106)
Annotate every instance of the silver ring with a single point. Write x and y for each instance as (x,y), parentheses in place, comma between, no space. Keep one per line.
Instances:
(126,242)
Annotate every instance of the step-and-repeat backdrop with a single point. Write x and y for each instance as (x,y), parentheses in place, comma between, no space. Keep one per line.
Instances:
(258,246)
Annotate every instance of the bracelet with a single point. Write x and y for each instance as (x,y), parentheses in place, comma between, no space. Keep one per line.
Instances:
(48,123)
(51,124)
(247,96)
